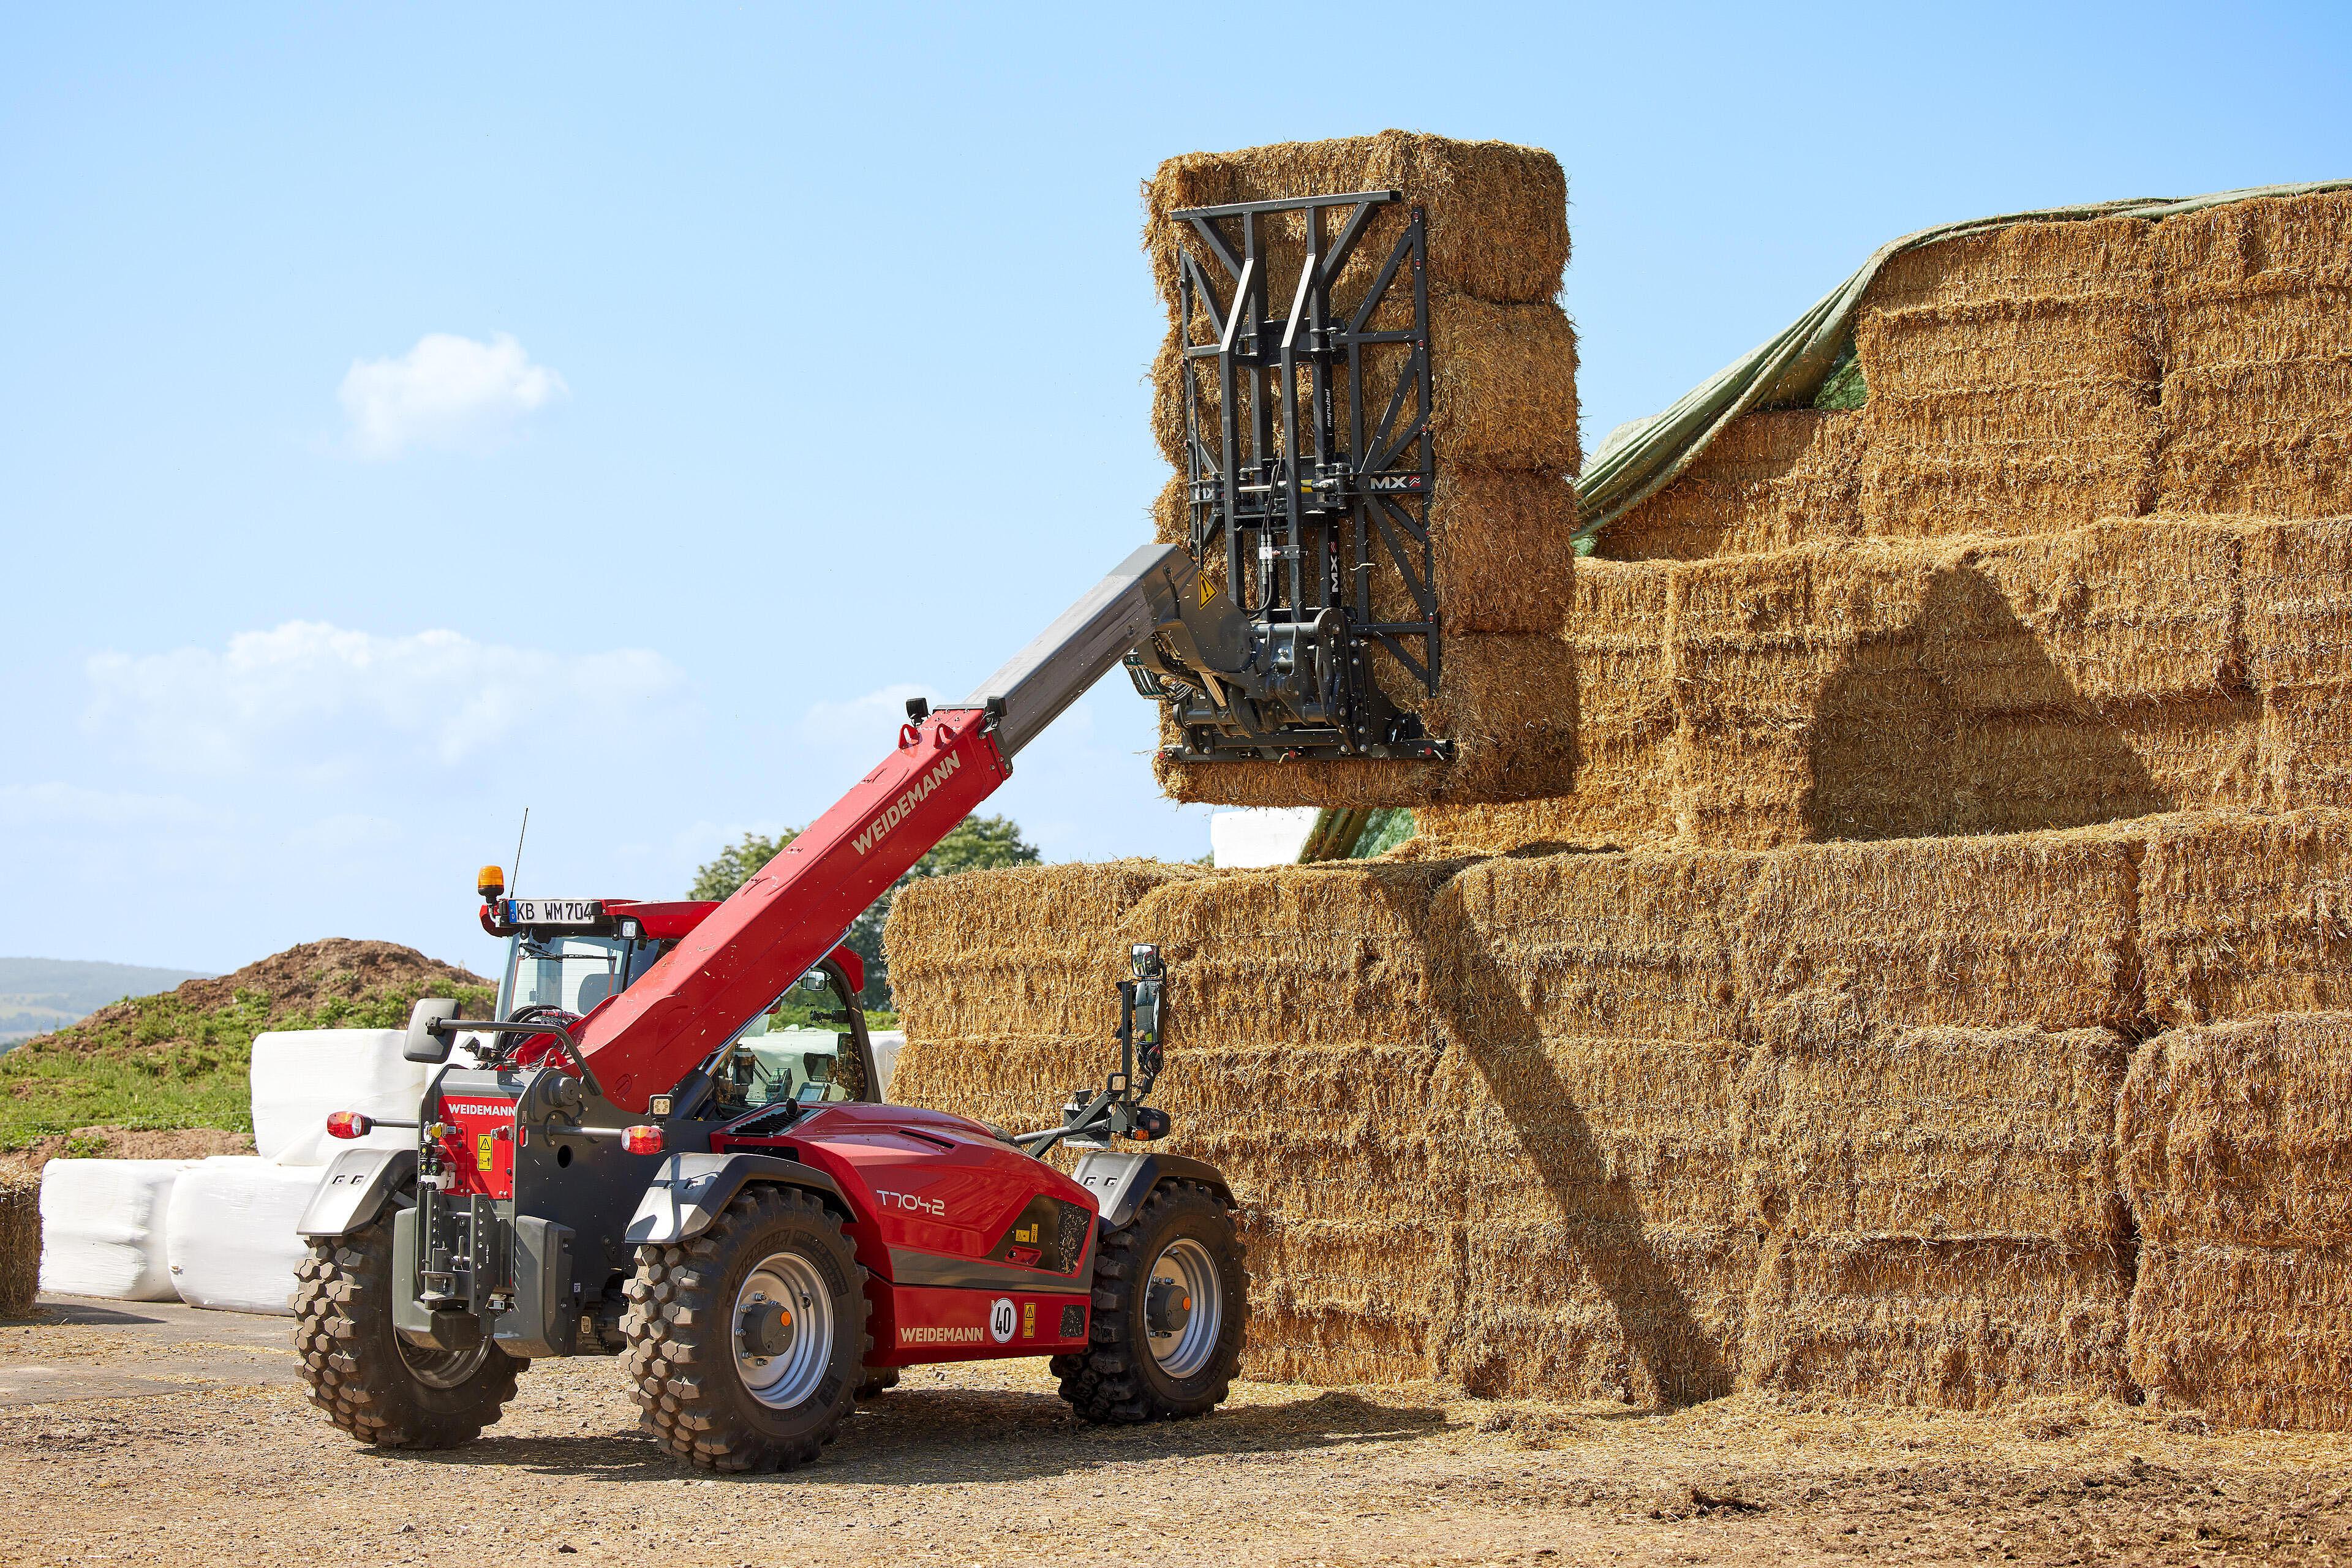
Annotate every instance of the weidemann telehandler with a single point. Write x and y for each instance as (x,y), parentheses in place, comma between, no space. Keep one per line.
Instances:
(640,1156)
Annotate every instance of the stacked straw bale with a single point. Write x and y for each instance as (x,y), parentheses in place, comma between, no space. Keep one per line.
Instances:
(20,1243)
(1006,984)
(1583,1116)
(2013,380)
(2257,393)
(1770,481)
(2298,651)
(2244,916)
(2236,1141)
(1504,430)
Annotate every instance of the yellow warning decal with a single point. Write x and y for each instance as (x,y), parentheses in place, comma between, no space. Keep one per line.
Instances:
(483,1146)
(1207,592)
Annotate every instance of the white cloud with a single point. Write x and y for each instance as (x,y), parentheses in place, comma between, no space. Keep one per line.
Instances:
(447,392)
(314,698)
(862,729)
(75,806)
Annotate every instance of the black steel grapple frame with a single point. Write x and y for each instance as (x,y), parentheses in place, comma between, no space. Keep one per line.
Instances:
(1309,508)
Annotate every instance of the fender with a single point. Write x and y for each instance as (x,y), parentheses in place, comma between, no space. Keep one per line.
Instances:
(355,1190)
(1120,1181)
(690,1190)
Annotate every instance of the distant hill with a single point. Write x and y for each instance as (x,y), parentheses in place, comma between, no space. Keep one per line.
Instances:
(39,994)
(180,1058)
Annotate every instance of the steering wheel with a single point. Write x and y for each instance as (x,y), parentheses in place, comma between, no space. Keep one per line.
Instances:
(531,1050)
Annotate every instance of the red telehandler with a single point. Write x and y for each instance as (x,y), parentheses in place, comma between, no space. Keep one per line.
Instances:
(642,1155)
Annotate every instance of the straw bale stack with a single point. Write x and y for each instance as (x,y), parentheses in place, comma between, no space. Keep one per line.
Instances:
(1500,699)
(2257,396)
(1961,1323)
(2013,381)
(1805,710)
(1770,481)
(20,1243)
(1498,214)
(1838,941)
(1935,1134)
(2242,916)
(2298,641)
(1301,1044)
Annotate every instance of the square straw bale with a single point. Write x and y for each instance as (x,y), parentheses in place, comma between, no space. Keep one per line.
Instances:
(1639,946)
(1585,1131)
(20,1244)
(1501,546)
(1648,1315)
(1934,489)
(1503,385)
(1017,1083)
(2258,383)
(1956,1324)
(2126,609)
(1335,953)
(1937,1133)
(2242,1134)
(1030,949)
(1344,1300)
(2307,745)
(2298,623)
(2254,1336)
(2020,262)
(1839,939)
(1769,481)
(1498,214)
(2104,762)
(1502,700)
(1803,704)
(2240,916)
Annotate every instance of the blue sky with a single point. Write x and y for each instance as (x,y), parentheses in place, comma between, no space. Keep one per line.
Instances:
(408,416)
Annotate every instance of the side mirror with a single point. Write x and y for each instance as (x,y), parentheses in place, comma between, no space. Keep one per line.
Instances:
(422,1043)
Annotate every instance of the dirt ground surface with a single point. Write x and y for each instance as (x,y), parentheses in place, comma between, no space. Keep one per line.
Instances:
(160,1434)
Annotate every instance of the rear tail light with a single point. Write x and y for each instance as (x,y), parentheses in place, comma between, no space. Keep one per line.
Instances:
(642,1140)
(349,1124)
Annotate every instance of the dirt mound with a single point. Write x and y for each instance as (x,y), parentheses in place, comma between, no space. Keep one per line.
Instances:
(303,980)
(115,1142)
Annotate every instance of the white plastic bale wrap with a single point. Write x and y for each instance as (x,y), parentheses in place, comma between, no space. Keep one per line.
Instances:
(300,1076)
(230,1235)
(102,1227)
(885,1044)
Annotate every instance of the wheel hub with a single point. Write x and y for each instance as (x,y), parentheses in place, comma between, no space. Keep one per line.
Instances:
(1168,1308)
(767,1329)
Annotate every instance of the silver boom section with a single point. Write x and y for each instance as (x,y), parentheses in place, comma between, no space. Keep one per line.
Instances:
(1154,594)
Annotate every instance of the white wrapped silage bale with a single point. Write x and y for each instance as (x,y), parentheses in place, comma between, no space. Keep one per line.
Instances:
(299,1076)
(231,1237)
(102,1227)
(885,1044)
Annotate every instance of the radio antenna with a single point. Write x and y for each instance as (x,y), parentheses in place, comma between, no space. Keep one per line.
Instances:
(515,882)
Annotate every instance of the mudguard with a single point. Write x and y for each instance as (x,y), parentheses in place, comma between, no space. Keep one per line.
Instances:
(355,1190)
(689,1190)
(1120,1181)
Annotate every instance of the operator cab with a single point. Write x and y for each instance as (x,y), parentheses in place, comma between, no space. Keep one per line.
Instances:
(806,1048)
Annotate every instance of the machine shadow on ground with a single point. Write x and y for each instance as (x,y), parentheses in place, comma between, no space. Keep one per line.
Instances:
(923,1438)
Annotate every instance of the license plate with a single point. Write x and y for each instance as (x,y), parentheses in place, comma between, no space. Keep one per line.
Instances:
(554,911)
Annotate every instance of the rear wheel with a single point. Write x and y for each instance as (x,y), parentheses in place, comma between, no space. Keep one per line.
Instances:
(747,1343)
(1171,1314)
(371,1382)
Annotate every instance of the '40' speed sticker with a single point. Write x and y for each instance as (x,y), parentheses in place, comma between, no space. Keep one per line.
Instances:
(1002,1319)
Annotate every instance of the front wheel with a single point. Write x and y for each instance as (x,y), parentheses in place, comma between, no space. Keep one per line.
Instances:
(371,1382)
(748,1342)
(1171,1314)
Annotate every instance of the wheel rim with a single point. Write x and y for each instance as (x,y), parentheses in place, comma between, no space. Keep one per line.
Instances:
(441,1369)
(782,1364)
(1182,1352)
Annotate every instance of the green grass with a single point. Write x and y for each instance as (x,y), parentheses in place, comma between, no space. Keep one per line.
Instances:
(168,1065)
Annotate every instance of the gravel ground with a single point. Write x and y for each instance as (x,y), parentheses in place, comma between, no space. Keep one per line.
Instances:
(216,1459)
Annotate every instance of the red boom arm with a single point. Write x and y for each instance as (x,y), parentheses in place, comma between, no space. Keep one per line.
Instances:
(781,922)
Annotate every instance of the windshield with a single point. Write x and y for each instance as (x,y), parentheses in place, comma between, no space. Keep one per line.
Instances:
(573,972)
(788,1055)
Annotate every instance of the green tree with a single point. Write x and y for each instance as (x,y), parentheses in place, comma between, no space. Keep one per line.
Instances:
(975,844)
